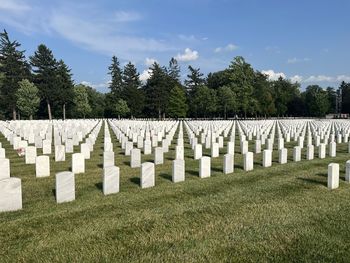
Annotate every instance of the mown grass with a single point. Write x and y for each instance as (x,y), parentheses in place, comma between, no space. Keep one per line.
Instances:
(284,213)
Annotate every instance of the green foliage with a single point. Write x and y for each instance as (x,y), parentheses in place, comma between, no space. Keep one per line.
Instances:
(13,68)
(121,108)
(81,101)
(116,85)
(242,76)
(132,93)
(27,98)
(316,100)
(204,102)
(226,100)
(177,103)
(194,79)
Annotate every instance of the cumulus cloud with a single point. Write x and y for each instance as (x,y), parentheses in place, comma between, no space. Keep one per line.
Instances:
(343,78)
(272,75)
(296,78)
(145,75)
(319,78)
(228,48)
(97,86)
(150,61)
(188,55)
(14,6)
(297,60)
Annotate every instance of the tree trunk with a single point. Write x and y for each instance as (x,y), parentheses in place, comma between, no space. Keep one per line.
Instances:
(49,110)
(64,111)
(14,113)
(31,116)
(159,114)
(118,116)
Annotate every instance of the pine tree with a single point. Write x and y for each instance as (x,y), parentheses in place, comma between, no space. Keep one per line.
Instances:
(81,100)
(177,103)
(174,70)
(64,85)
(116,85)
(45,67)
(13,68)
(194,80)
(132,93)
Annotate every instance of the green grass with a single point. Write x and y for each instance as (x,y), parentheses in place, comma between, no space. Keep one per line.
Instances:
(282,213)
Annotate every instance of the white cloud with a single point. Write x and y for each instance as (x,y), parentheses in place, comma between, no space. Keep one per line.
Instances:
(343,78)
(150,61)
(228,48)
(97,86)
(145,75)
(319,78)
(274,49)
(125,16)
(272,75)
(296,78)
(297,60)
(189,55)
(14,6)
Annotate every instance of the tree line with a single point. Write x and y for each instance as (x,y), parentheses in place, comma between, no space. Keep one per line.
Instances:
(43,87)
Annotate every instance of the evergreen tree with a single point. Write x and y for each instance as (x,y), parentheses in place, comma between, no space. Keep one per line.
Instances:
(316,100)
(13,68)
(45,68)
(132,93)
(116,85)
(174,70)
(177,103)
(194,80)
(64,85)
(27,97)
(157,90)
(345,94)
(204,102)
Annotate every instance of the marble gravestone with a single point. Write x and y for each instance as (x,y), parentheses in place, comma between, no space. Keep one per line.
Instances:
(110,180)
(147,175)
(65,187)
(42,166)
(10,194)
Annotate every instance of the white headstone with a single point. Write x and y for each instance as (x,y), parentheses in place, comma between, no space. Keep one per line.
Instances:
(111,179)
(178,173)
(296,153)
(215,150)
(204,167)
(248,161)
(10,194)
(65,187)
(198,151)
(4,168)
(228,163)
(158,155)
(78,163)
(282,156)
(108,159)
(42,166)
(147,175)
(135,160)
(310,152)
(30,155)
(333,176)
(60,153)
(267,158)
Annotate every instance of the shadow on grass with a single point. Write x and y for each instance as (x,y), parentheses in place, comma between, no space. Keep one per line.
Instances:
(215,169)
(99,186)
(135,180)
(100,165)
(312,181)
(166,176)
(126,163)
(192,172)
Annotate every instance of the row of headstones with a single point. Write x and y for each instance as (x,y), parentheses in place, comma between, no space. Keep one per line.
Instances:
(10,187)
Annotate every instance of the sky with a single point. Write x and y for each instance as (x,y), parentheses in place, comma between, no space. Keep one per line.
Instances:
(306,41)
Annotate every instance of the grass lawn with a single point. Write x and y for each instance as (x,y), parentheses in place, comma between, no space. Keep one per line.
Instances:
(284,213)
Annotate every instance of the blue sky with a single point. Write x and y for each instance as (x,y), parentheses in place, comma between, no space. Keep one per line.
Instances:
(307,41)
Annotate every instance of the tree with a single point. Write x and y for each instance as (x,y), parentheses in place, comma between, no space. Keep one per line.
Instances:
(316,100)
(81,100)
(205,101)
(121,108)
(132,93)
(262,94)
(157,90)
(332,99)
(116,85)
(27,97)
(226,100)
(45,68)
(97,103)
(177,103)
(242,79)
(194,80)
(284,92)
(13,68)
(345,94)
(64,85)
(174,70)
(218,79)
